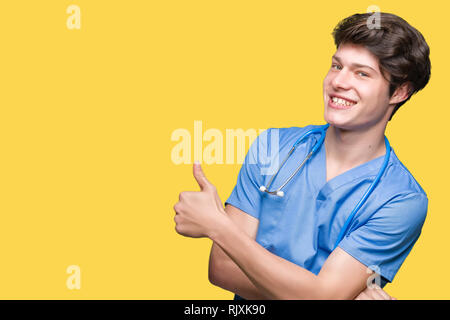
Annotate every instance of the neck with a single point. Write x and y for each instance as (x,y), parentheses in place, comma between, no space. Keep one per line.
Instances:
(350,148)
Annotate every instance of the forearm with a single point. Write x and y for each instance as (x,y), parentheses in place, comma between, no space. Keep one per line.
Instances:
(274,277)
(224,272)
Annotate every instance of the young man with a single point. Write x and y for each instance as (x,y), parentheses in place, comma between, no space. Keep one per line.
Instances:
(271,247)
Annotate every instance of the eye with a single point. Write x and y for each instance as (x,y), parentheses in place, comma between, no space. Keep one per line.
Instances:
(362,74)
(336,66)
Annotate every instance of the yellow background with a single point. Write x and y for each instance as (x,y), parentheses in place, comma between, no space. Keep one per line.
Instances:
(86,176)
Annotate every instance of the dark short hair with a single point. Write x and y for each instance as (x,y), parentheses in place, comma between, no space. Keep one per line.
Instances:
(402,51)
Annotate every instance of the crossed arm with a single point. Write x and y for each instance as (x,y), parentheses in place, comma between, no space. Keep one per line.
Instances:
(239,264)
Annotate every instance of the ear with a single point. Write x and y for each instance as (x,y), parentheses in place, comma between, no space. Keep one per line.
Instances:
(401,93)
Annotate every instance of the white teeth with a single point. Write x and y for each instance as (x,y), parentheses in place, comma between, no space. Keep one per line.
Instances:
(342,101)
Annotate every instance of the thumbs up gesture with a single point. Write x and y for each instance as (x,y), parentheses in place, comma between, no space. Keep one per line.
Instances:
(198,213)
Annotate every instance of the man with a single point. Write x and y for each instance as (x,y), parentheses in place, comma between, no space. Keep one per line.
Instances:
(269,247)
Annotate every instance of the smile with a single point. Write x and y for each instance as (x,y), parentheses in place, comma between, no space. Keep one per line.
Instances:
(340,102)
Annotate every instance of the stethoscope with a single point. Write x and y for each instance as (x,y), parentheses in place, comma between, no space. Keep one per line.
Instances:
(322,130)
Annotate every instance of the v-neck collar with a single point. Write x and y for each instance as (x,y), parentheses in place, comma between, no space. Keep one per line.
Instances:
(318,166)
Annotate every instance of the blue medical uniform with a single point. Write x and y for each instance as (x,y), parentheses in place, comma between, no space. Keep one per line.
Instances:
(303,226)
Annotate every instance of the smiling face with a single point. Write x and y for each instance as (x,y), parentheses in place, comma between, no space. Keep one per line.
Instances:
(356,94)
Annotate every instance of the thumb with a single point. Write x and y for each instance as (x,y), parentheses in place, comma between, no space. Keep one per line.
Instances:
(200,176)
(204,183)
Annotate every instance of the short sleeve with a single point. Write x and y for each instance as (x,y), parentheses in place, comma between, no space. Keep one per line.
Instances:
(246,195)
(385,240)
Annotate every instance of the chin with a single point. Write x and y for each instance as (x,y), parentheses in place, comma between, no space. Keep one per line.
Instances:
(338,120)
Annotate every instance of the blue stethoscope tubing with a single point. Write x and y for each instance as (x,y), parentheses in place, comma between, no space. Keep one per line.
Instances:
(317,145)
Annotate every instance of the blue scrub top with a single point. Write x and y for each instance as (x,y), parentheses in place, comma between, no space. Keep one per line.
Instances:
(303,226)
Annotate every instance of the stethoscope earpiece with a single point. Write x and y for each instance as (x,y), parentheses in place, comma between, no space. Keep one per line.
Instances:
(278,192)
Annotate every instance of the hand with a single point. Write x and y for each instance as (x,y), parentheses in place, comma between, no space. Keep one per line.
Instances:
(374,293)
(198,213)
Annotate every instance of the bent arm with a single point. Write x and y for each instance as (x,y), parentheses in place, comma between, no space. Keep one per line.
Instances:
(224,272)
(341,277)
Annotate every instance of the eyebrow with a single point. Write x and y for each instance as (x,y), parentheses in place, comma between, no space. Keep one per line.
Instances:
(357,65)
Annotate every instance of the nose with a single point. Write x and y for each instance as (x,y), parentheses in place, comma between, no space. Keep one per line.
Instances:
(341,80)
